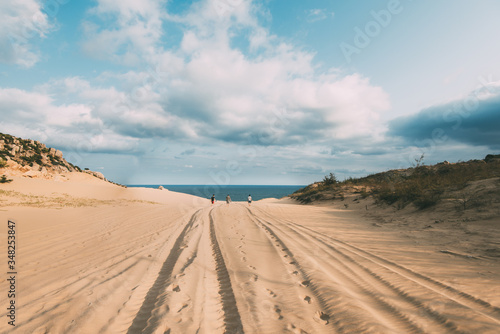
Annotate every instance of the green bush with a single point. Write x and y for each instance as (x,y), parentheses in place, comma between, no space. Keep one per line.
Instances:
(329,179)
(364,193)
(34,158)
(3,163)
(4,179)
(6,152)
(8,139)
(426,202)
(492,157)
(55,160)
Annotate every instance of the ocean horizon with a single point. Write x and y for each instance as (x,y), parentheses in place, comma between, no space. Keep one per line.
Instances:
(236,192)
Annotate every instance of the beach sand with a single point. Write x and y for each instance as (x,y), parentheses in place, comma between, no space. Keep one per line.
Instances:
(93,257)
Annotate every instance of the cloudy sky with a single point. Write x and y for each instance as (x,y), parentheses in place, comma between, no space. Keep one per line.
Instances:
(251,92)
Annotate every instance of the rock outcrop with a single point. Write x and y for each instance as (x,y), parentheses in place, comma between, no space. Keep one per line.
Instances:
(30,158)
(96,174)
(33,158)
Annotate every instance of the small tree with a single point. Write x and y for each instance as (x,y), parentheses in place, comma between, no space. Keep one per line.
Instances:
(330,179)
(419,162)
(4,179)
(467,199)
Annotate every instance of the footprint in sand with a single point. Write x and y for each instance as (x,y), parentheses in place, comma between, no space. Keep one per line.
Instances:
(277,313)
(244,259)
(182,308)
(255,278)
(252,267)
(307,299)
(271,293)
(173,287)
(292,328)
(295,272)
(321,317)
(242,252)
(305,283)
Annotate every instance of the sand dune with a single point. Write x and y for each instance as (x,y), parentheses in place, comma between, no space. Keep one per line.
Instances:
(111,260)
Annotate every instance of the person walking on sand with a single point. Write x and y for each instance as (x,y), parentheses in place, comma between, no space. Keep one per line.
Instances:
(213,199)
(249,200)
(228,199)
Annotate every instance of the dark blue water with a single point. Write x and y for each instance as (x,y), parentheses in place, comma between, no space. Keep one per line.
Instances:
(237,193)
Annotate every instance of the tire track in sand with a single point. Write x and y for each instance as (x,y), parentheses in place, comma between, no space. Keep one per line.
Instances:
(461,297)
(232,319)
(144,321)
(401,281)
(303,281)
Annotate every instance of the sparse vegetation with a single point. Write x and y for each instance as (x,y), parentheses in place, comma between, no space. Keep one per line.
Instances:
(466,199)
(15,198)
(4,179)
(422,186)
(364,193)
(32,159)
(3,163)
(330,179)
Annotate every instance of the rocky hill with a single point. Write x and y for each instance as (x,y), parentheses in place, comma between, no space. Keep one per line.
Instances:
(31,158)
(33,154)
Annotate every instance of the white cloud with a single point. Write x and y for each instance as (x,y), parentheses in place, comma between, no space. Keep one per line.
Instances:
(237,97)
(204,91)
(314,15)
(123,31)
(21,24)
(215,15)
(36,115)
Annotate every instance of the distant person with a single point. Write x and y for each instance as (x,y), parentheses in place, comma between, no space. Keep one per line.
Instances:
(228,199)
(249,200)
(213,199)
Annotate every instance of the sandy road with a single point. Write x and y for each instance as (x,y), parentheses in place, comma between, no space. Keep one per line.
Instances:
(265,268)
(240,269)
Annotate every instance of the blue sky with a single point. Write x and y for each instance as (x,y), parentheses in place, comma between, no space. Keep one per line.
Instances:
(251,92)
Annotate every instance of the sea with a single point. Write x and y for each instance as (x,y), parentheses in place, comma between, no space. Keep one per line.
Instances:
(236,192)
